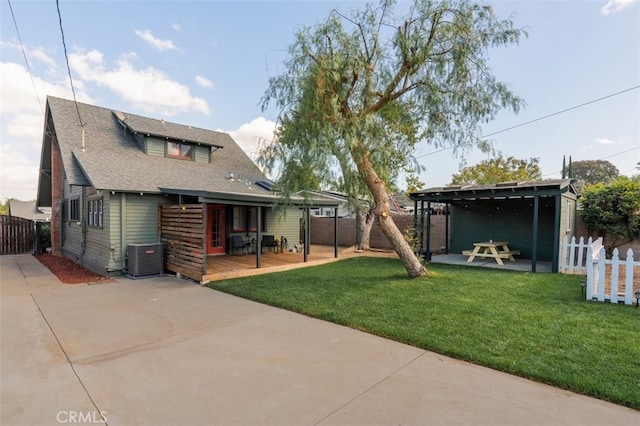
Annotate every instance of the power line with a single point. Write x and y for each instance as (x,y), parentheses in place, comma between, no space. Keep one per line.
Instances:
(540,118)
(563,111)
(66,57)
(24,55)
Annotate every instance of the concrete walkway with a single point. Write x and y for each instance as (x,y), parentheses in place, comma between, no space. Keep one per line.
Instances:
(164,351)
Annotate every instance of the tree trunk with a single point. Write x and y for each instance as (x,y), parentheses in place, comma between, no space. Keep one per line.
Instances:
(388,227)
(364,222)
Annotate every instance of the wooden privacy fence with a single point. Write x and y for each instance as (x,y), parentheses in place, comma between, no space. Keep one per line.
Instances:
(182,233)
(17,235)
(612,280)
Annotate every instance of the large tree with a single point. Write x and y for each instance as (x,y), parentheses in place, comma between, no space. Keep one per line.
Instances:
(613,210)
(499,169)
(589,172)
(359,91)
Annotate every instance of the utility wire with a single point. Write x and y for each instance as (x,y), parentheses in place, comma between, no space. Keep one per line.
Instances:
(24,55)
(540,118)
(66,57)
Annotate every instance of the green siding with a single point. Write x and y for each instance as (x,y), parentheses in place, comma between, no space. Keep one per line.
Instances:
(503,220)
(142,218)
(87,245)
(285,223)
(155,147)
(202,153)
(72,230)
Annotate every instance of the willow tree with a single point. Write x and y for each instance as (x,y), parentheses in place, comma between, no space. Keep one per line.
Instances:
(358,92)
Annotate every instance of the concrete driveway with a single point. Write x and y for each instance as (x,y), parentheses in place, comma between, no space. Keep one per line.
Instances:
(163,351)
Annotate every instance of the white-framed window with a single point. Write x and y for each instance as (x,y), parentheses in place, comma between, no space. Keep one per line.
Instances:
(94,212)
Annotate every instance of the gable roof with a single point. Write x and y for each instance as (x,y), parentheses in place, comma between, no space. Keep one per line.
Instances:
(544,188)
(28,210)
(108,156)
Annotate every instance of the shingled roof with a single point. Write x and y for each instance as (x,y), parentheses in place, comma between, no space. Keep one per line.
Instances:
(109,158)
(28,210)
(499,190)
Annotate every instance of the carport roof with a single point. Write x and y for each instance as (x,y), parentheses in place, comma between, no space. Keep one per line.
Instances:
(545,188)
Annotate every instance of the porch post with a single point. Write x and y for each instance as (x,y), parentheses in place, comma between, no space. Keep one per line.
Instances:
(335,233)
(258,238)
(306,234)
(415,223)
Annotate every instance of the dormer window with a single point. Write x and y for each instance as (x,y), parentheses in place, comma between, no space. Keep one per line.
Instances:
(180,150)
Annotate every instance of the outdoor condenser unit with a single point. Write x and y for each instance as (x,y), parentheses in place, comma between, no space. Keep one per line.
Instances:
(144,259)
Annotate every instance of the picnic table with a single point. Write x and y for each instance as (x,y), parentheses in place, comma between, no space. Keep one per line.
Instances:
(497,250)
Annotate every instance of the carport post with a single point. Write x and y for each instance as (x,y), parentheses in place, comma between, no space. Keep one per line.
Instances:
(427,252)
(556,234)
(415,221)
(534,246)
(446,228)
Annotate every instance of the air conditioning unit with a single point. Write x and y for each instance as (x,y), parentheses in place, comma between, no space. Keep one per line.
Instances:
(144,259)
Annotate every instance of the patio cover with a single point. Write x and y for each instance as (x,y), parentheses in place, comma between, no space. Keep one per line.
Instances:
(504,190)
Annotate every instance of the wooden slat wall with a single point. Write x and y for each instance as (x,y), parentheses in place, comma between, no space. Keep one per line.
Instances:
(182,232)
(17,235)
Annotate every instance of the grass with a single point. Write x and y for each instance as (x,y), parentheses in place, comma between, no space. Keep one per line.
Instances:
(536,326)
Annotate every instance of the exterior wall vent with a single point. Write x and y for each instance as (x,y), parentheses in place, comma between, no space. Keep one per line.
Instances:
(144,259)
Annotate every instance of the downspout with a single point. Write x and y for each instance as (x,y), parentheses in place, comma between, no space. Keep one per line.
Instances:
(83,222)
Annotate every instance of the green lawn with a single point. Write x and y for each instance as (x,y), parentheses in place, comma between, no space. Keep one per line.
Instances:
(534,325)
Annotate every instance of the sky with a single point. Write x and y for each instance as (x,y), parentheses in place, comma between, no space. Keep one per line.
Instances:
(207,63)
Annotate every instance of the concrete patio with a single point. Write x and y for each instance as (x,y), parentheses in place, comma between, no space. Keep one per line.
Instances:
(519,264)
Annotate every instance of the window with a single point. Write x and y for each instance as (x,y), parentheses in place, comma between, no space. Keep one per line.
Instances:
(95,212)
(179,150)
(240,216)
(239,219)
(73,209)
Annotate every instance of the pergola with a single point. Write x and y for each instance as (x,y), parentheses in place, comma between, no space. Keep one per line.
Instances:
(531,215)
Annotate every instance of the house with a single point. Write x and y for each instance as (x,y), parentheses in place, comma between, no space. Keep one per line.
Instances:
(28,210)
(25,229)
(532,216)
(115,180)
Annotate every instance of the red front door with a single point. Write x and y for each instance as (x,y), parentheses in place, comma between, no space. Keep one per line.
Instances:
(215,229)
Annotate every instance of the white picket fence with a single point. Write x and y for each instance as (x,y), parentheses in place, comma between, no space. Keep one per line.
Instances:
(589,259)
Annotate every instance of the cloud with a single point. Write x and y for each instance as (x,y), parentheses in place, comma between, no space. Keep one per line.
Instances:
(613,6)
(149,89)
(22,104)
(204,82)
(176,27)
(156,43)
(605,141)
(250,135)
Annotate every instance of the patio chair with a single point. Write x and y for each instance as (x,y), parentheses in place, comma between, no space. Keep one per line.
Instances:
(237,243)
(269,241)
